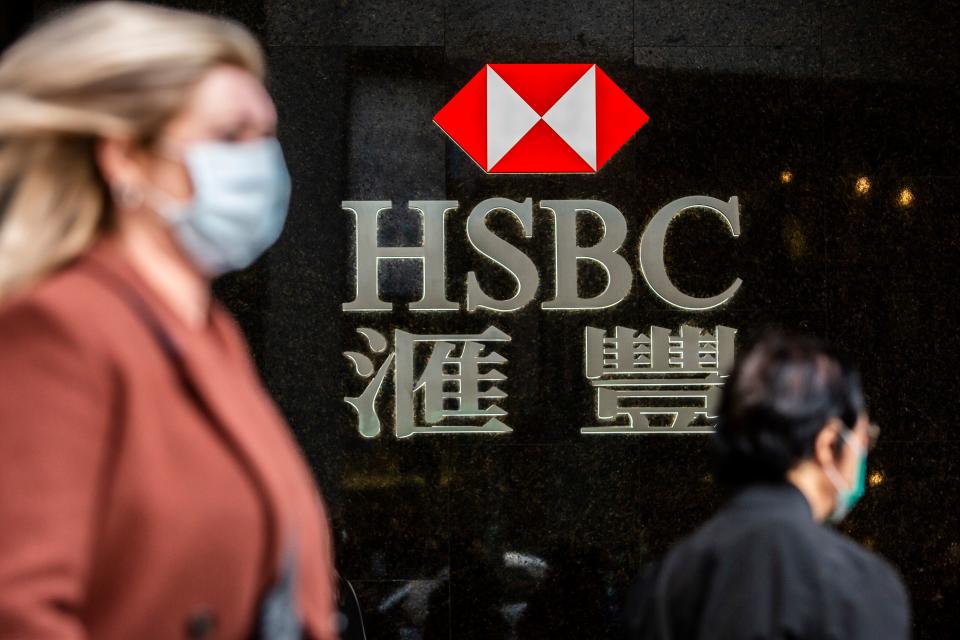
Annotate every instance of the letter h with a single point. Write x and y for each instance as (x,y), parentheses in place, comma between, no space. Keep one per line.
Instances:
(430,252)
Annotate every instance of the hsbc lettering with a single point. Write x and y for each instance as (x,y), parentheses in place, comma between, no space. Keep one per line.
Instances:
(431,252)
(646,379)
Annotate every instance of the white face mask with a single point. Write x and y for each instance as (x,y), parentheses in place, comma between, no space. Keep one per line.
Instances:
(241,191)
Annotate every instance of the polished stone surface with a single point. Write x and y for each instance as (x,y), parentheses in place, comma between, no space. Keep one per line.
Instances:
(816,114)
(738,22)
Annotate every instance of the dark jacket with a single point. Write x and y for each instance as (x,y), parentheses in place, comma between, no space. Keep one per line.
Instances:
(762,567)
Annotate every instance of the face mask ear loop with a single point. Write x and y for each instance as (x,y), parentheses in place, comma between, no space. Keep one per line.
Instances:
(836,479)
(839,510)
(856,446)
(159,201)
(832,472)
(164,205)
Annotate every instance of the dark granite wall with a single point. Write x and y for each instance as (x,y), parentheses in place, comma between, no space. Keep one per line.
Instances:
(738,93)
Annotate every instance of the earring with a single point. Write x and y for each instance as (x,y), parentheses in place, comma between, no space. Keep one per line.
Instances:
(126,195)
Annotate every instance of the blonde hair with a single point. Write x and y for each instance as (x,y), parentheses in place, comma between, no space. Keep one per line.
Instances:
(107,69)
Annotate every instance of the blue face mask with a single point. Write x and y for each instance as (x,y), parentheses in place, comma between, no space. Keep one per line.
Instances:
(847,497)
(241,191)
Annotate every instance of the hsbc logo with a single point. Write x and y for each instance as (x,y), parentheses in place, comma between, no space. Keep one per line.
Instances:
(540,118)
(534,119)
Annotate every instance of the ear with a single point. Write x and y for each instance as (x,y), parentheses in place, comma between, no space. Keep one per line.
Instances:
(824,447)
(117,161)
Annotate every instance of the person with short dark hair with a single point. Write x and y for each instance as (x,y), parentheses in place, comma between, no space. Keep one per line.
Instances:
(791,444)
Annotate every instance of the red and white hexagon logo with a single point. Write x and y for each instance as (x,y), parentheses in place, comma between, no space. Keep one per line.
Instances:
(540,118)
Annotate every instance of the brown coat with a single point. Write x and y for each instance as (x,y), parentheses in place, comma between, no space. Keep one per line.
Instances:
(128,507)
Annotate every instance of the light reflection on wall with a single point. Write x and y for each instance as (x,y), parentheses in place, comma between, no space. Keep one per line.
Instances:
(905,197)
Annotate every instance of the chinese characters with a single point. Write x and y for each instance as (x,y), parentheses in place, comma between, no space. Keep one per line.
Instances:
(654,382)
(642,377)
(456,388)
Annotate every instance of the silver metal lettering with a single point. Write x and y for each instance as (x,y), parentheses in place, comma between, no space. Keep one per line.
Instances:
(514,261)
(604,253)
(431,253)
(652,244)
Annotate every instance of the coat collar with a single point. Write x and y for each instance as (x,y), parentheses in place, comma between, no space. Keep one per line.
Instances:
(108,254)
(779,497)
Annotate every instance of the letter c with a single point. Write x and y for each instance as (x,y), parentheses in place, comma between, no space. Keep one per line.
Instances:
(652,244)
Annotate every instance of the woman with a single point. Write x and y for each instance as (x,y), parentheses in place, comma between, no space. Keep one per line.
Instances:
(148,486)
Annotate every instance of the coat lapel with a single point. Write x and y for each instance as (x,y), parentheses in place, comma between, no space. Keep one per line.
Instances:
(214,369)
